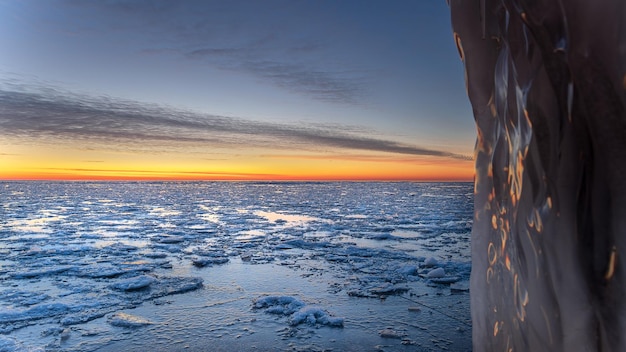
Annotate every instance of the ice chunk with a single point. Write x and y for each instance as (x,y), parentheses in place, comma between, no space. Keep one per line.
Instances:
(155,255)
(82,317)
(306,244)
(389,289)
(43,272)
(23,298)
(170,239)
(8,344)
(125,320)
(174,285)
(37,312)
(459,287)
(120,248)
(204,261)
(102,272)
(436,273)
(408,270)
(314,316)
(299,311)
(134,283)
(382,236)
(431,262)
(445,280)
(283,305)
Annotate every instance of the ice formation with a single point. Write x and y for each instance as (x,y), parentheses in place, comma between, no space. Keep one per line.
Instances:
(546,80)
(101,254)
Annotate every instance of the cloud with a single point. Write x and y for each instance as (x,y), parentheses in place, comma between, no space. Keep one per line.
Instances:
(313,80)
(285,45)
(400,158)
(45,111)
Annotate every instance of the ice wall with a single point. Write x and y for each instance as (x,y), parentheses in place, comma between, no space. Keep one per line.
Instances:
(547,82)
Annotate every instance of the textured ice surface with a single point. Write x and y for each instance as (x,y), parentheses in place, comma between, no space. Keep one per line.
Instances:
(82,263)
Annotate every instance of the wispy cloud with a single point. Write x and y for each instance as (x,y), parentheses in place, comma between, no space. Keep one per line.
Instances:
(400,158)
(268,40)
(47,111)
(316,81)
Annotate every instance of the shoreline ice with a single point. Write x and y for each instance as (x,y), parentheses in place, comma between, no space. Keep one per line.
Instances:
(105,257)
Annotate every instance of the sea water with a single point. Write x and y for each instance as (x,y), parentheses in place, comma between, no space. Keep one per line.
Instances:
(235,266)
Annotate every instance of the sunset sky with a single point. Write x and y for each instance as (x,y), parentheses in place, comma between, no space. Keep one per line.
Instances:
(235,90)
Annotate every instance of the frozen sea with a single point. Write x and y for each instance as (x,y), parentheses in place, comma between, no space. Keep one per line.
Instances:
(235,266)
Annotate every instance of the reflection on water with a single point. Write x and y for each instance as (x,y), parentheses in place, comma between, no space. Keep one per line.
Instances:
(288,219)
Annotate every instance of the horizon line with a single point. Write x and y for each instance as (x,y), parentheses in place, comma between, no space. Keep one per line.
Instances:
(232,179)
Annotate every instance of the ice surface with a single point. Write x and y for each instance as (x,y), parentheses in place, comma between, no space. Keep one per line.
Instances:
(89,259)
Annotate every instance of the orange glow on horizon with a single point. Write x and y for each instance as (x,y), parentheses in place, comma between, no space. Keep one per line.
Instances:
(63,162)
(371,173)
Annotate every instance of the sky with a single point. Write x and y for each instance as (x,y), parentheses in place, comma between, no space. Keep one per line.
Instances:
(232,90)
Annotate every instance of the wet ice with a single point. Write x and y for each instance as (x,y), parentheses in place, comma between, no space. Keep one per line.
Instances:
(85,256)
